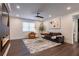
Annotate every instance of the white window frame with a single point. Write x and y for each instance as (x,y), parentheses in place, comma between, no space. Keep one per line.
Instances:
(29,27)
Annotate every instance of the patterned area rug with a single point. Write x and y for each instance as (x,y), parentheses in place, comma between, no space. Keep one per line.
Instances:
(37,45)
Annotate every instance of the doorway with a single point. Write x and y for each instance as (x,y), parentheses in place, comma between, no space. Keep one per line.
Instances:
(78,31)
(75,29)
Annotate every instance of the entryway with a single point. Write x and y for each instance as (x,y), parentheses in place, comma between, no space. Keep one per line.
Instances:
(76,29)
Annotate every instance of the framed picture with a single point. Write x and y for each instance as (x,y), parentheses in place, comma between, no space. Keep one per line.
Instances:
(56,23)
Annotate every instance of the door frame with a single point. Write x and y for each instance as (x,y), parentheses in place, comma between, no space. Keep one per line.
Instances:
(75,28)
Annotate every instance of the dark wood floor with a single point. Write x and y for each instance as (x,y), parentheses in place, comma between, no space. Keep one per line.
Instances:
(18,49)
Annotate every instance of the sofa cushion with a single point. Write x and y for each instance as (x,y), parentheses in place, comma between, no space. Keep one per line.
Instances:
(59,35)
(54,34)
(42,35)
(53,37)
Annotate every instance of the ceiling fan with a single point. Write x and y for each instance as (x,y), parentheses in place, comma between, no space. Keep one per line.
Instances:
(38,15)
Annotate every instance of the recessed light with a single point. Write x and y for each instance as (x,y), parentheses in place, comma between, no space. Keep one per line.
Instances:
(18,7)
(50,15)
(68,8)
(17,15)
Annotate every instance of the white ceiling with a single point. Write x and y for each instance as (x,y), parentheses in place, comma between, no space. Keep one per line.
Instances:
(28,10)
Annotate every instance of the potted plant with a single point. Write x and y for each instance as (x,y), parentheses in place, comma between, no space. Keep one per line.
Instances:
(41,27)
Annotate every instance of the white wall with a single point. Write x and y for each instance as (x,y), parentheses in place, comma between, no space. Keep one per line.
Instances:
(16,28)
(49,27)
(67,28)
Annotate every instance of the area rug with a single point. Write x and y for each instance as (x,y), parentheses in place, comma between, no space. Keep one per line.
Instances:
(37,45)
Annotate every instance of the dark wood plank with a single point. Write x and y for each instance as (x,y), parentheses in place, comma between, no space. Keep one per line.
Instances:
(18,49)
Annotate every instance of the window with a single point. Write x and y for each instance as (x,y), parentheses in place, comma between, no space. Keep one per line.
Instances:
(28,27)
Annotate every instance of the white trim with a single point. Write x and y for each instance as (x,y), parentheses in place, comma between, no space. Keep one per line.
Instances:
(9,7)
(5,54)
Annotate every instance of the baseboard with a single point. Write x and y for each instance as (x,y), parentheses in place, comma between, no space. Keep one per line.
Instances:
(18,38)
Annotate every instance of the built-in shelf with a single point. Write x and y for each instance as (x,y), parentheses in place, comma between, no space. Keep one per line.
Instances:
(4,25)
(5,40)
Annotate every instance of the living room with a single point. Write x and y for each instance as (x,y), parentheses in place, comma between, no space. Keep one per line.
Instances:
(61,25)
(41,26)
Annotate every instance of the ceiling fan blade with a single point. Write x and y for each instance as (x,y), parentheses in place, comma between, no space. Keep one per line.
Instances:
(39,16)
